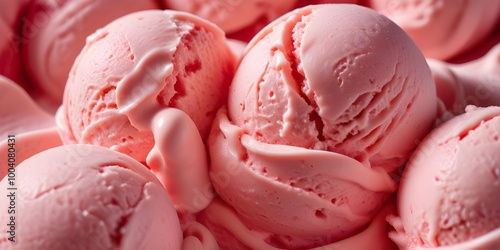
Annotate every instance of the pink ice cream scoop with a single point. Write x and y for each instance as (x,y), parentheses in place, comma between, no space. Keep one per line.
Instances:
(149,85)
(55,32)
(449,189)
(446,28)
(24,126)
(87,197)
(239,18)
(327,101)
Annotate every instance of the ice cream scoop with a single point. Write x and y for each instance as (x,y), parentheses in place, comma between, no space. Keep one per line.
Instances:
(55,32)
(149,85)
(326,102)
(31,129)
(446,28)
(447,197)
(88,197)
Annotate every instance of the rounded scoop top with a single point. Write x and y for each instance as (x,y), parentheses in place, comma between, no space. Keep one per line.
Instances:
(335,77)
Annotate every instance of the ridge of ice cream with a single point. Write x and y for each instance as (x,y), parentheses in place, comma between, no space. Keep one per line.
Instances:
(447,197)
(316,121)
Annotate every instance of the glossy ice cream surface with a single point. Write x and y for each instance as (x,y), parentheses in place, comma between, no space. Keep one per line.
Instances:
(316,121)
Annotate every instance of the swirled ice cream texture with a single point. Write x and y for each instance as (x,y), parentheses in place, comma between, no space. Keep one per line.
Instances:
(315,121)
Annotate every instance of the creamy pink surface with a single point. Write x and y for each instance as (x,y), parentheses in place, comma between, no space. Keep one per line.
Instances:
(238,47)
(55,32)
(302,3)
(449,89)
(33,128)
(445,28)
(317,86)
(448,190)
(10,39)
(476,82)
(234,234)
(148,85)
(315,121)
(479,50)
(232,16)
(327,196)
(89,197)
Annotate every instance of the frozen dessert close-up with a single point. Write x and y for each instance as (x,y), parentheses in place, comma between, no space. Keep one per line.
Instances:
(148,85)
(448,194)
(88,197)
(55,32)
(250,124)
(318,117)
(445,28)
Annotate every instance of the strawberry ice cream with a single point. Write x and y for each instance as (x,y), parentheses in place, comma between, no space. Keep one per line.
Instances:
(88,197)
(446,28)
(55,33)
(447,198)
(33,128)
(318,116)
(149,85)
